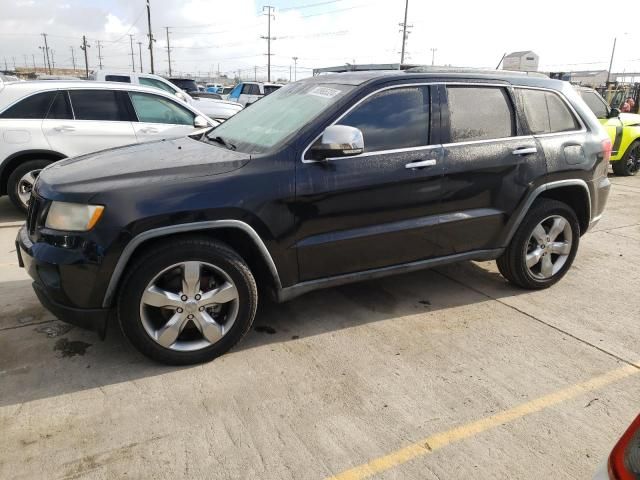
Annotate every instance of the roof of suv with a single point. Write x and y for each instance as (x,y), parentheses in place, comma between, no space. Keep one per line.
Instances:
(12,91)
(515,78)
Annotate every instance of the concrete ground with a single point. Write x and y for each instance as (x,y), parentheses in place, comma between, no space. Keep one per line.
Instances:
(447,373)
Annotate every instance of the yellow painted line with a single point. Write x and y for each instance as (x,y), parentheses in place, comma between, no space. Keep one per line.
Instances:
(442,439)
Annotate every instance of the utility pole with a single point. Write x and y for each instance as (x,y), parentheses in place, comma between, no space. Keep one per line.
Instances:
(255,73)
(14,63)
(168,50)
(613,52)
(6,67)
(33,57)
(46,49)
(84,47)
(133,55)
(53,61)
(140,50)
(150,35)
(269,8)
(404,30)
(73,58)
(100,57)
(295,68)
(44,59)
(433,56)
(26,62)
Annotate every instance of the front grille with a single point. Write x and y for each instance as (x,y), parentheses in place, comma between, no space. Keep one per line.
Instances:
(32,214)
(36,213)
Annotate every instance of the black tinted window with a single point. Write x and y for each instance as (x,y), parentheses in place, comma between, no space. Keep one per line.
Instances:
(270,89)
(546,112)
(118,78)
(396,118)
(595,103)
(60,108)
(250,89)
(98,105)
(185,84)
(34,107)
(479,113)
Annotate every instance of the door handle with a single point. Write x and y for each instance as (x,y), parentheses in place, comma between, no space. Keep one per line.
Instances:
(148,130)
(64,128)
(421,164)
(525,151)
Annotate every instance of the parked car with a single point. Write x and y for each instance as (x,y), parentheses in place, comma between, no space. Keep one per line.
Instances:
(623,129)
(214,108)
(214,88)
(329,180)
(247,93)
(224,93)
(44,121)
(624,461)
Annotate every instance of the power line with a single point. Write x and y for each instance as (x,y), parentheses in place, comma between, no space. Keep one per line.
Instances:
(310,5)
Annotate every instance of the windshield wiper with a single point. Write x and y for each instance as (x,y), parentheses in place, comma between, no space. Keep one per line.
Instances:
(222,141)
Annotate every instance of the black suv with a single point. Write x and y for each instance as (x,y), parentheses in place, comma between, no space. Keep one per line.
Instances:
(329,180)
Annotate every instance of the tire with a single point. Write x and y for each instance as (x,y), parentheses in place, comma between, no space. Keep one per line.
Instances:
(18,179)
(529,242)
(165,267)
(628,165)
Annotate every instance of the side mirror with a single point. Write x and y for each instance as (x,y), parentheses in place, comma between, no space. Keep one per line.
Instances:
(614,113)
(200,122)
(338,141)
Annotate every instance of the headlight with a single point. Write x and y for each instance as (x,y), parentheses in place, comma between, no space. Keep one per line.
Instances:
(74,217)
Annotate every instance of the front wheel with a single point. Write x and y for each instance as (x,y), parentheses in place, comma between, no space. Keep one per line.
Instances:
(187,301)
(629,164)
(22,180)
(544,246)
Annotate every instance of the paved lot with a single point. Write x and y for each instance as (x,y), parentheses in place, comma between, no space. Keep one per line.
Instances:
(448,373)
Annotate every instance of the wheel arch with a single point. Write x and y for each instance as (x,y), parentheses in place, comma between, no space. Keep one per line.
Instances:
(573,192)
(14,160)
(237,234)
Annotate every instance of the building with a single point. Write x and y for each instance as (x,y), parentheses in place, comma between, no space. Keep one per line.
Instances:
(525,61)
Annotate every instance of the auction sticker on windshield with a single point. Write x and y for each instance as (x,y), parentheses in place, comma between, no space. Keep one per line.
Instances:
(324,92)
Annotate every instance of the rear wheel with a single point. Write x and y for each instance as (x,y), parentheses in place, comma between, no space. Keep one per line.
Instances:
(542,250)
(629,164)
(22,180)
(187,301)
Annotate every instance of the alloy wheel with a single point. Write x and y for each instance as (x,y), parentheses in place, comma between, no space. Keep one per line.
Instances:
(25,186)
(633,160)
(549,247)
(189,306)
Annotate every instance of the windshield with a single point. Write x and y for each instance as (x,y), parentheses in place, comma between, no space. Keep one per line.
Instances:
(270,89)
(269,122)
(185,84)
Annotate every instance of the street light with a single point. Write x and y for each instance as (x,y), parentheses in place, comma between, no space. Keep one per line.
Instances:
(613,52)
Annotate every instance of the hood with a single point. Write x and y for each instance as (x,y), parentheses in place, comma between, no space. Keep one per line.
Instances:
(153,162)
(630,119)
(204,100)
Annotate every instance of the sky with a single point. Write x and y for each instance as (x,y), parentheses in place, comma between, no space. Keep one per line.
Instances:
(214,35)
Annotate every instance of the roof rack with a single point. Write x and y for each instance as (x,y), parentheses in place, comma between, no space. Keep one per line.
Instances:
(432,69)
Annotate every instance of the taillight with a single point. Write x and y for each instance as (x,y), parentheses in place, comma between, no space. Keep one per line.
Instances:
(606,149)
(624,461)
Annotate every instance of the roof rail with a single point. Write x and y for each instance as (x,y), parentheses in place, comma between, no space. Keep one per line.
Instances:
(432,69)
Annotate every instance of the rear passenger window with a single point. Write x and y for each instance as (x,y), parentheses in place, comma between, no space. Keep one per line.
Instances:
(479,113)
(155,109)
(33,107)
(395,118)
(104,105)
(546,112)
(60,108)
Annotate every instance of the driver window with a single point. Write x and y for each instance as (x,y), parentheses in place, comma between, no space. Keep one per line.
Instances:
(391,119)
(154,109)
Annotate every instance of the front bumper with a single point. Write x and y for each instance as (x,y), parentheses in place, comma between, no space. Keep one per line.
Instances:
(49,266)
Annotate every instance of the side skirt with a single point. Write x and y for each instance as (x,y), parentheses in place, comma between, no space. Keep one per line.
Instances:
(298,289)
